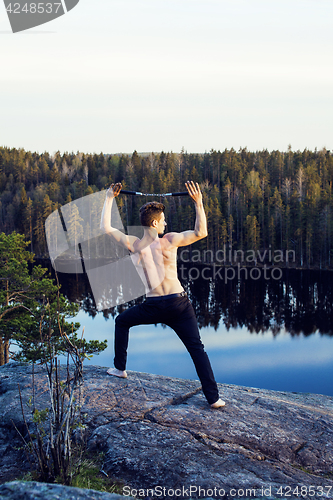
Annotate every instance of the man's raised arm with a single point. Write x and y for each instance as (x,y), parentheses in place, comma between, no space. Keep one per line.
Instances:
(121,238)
(200,227)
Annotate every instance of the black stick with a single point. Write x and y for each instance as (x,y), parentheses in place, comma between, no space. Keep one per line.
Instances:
(124,191)
(184,193)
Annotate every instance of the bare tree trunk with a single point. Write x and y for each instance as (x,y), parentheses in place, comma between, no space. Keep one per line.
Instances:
(2,352)
(6,349)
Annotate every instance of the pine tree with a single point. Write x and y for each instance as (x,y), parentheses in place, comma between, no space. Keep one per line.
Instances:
(28,222)
(74,227)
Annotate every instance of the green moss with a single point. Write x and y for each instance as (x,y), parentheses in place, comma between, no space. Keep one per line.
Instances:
(327,475)
(303,469)
(90,476)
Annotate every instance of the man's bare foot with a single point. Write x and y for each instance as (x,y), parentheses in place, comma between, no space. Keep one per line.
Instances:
(219,403)
(117,373)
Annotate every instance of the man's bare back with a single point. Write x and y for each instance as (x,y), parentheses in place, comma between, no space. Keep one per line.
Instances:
(170,284)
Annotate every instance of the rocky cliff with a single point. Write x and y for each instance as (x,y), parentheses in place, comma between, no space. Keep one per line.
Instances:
(159,432)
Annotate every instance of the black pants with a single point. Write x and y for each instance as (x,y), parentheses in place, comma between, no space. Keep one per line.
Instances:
(178,313)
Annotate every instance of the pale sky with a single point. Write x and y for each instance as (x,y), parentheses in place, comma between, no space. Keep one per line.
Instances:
(115,76)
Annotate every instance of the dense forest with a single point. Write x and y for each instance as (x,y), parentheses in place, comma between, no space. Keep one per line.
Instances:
(255,201)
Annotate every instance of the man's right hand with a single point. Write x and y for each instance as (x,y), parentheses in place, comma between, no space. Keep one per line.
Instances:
(114,190)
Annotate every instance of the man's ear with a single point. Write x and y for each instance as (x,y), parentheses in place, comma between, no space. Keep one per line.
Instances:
(154,222)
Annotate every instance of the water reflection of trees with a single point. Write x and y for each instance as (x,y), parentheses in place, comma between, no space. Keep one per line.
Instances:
(300,302)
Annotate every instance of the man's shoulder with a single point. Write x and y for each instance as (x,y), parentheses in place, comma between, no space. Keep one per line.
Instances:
(172,239)
(169,236)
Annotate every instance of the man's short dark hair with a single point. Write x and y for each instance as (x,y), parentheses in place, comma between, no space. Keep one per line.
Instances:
(151,211)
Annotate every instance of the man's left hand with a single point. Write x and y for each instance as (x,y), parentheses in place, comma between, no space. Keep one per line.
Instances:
(194,191)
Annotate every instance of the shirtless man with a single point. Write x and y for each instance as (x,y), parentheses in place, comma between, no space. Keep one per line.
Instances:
(167,302)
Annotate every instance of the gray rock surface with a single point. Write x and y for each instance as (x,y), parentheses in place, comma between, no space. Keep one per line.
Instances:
(158,431)
(18,490)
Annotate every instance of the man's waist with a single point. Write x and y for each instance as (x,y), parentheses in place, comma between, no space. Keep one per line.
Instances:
(168,296)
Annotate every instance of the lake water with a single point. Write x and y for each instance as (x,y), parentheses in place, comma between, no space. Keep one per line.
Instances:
(272,334)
